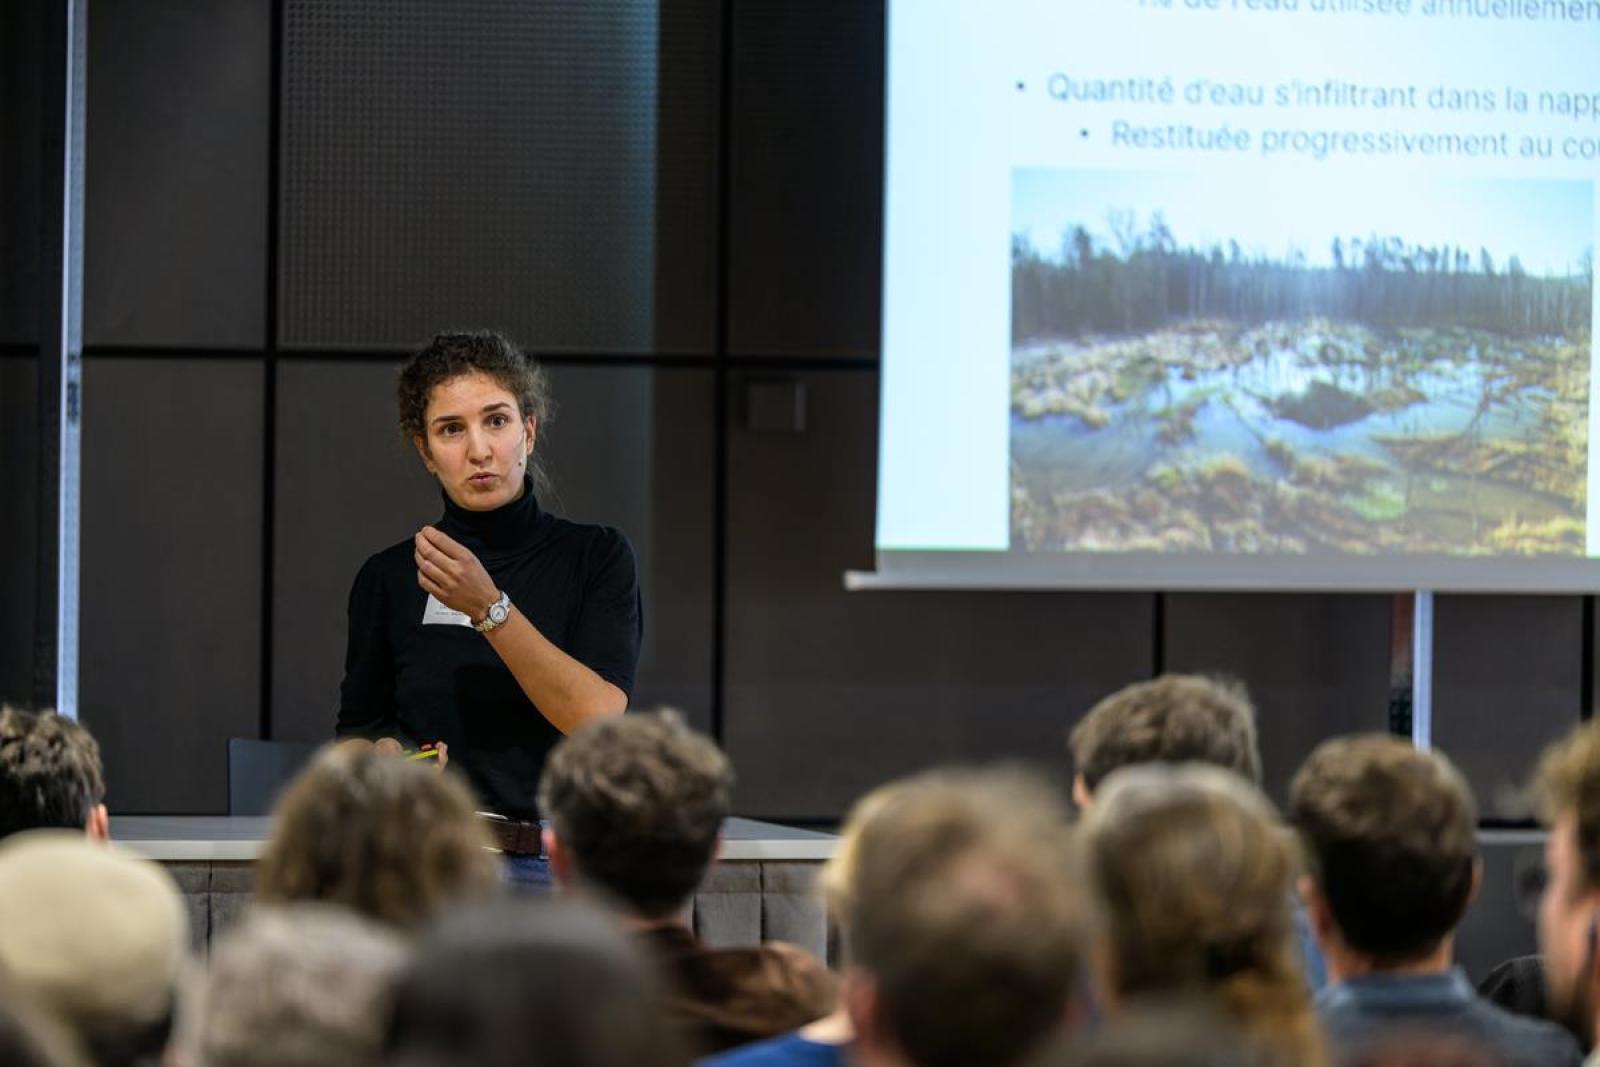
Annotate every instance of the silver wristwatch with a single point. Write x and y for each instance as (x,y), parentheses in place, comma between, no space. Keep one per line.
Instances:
(496,616)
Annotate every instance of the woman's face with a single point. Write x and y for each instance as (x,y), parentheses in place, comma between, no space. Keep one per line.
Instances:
(476,442)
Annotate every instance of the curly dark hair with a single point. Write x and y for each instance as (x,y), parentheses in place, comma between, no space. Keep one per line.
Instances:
(380,835)
(639,801)
(450,355)
(50,772)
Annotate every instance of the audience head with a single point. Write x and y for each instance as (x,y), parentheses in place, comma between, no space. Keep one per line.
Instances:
(836,880)
(1391,833)
(96,938)
(517,981)
(305,985)
(1176,718)
(967,925)
(31,1037)
(1567,788)
(50,775)
(1195,875)
(635,805)
(389,838)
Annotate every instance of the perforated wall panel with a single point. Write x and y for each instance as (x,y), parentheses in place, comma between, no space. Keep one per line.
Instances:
(477,162)
(807,186)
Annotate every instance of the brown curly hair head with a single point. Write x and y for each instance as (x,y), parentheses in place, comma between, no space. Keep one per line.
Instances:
(1194,872)
(638,802)
(451,355)
(50,772)
(1176,718)
(390,839)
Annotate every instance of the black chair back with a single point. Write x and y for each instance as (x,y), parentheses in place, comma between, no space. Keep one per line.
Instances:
(258,770)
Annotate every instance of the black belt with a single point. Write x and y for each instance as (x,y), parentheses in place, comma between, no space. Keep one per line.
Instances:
(515,837)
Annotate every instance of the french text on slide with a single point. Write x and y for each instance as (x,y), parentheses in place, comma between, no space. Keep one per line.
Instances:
(1294,136)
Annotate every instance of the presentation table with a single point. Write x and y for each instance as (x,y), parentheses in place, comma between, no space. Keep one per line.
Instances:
(761,888)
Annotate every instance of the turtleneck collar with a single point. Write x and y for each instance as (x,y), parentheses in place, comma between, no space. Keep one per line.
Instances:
(505,531)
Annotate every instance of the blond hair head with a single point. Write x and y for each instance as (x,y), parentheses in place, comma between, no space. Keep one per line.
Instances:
(1568,783)
(963,907)
(1194,873)
(389,838)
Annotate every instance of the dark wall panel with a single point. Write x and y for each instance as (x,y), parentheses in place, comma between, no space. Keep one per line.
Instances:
(20,48)
(830,693)
(1507,679)
(347,486)
(175,200)
(19,517)
(687,121)
(1316,665)
(633,448)
(485,162)
(630,447)
(171,573)
(806,209)
(1501,923)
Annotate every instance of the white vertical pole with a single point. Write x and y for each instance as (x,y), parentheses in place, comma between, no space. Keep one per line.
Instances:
(65,57)
(1422,671)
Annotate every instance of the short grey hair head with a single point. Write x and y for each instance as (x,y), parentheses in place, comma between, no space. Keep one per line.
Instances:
(300,985)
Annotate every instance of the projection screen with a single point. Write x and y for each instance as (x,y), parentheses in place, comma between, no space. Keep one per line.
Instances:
(1240,294)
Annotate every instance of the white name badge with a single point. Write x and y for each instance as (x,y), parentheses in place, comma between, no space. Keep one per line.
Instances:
(436,614)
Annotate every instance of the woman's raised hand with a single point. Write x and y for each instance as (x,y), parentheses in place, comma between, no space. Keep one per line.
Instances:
(390,746)
(449,571)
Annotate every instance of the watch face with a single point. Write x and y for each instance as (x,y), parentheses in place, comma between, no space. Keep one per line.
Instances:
(499,612)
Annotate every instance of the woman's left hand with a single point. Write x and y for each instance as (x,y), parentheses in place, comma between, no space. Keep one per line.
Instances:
(452,574)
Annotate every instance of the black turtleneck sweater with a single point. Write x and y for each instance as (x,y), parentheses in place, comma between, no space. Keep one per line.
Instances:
(578,585)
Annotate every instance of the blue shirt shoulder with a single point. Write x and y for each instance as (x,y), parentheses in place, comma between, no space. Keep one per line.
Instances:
(789,1050)
(1359,1011)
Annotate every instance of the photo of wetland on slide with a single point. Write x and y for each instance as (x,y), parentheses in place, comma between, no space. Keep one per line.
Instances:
(1317,366)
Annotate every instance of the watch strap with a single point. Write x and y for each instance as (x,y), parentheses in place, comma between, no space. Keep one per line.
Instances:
(489,621)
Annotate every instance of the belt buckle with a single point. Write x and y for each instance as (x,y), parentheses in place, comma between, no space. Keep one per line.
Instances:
(513,835)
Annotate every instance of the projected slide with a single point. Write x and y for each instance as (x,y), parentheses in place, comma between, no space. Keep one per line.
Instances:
(1191,372)
(1285,293)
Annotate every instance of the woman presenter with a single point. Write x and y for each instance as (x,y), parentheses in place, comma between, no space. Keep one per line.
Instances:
(501,627)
